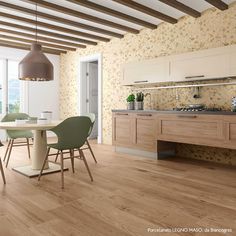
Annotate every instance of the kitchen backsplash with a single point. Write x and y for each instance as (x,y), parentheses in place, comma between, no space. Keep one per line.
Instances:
(215,96)
(214,28)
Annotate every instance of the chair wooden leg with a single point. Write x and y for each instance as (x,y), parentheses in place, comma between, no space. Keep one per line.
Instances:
(3,176)
(28,147)
(85,163)
(72,160)
(57,155)
(62,170)
(8,145)
(87,142)
(9,153)
(44,163)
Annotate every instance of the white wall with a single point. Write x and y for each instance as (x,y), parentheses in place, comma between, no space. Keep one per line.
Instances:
(40,96)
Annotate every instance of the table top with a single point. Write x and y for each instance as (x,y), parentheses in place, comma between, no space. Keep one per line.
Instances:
(14,126)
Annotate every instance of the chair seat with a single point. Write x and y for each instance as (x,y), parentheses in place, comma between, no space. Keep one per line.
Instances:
(14,134)
(61,147)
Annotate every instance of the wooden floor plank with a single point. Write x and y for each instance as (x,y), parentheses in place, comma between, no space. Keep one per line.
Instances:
(129,195)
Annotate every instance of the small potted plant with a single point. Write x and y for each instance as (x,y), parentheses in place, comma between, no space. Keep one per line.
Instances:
(139,101)
(130,102)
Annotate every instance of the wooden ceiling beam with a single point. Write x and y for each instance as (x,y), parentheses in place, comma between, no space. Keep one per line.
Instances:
(10,44)
(82,15)
(114,13)
(48,33)
(54,27)
(59,19)
(47,39)
(182,7)
(218,4)
(30,41)
(146,10)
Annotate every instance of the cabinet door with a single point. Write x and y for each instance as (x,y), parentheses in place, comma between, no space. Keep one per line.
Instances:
(193,129)
(232,60)
(199,66)
(230,131)
(122,129)
(146,132)
(145,72)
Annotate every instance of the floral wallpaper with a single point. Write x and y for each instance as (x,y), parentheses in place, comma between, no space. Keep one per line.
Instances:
(214,28)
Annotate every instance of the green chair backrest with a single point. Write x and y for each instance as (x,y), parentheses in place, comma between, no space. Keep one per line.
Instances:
(17,133)
(14,116)
(92,117)
(72,132)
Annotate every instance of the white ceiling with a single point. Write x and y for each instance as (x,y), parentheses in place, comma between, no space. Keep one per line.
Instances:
(199,5)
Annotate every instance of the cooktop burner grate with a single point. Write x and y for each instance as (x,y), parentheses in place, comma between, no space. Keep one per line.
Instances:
(197,109)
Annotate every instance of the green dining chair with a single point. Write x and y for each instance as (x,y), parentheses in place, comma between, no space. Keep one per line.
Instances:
(92,117)
(16,134)
(72,133)
(1,168)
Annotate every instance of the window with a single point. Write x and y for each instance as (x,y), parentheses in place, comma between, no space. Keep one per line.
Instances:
(14,87)
(11,88)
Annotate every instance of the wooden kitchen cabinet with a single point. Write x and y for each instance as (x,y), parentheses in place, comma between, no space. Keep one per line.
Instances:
(156,132)
(190,128)
(135,130)
(230,131)
(145,131)
(123,129)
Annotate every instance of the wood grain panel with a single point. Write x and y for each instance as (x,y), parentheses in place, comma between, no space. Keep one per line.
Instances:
(146,132)
(232,132)
(128,195)
(190,128)
(122,129)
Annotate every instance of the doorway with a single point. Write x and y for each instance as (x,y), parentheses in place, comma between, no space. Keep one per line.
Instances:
(90,91)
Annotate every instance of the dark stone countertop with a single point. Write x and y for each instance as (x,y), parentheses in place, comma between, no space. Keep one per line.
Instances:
(177,112)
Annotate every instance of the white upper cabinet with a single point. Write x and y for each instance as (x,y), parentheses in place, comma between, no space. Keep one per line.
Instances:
(232,61)
(146,72)
(199,65)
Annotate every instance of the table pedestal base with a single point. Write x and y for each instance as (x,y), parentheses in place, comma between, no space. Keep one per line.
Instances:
(29,172)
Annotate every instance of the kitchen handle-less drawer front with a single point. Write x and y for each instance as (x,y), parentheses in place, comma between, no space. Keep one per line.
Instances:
(195,129)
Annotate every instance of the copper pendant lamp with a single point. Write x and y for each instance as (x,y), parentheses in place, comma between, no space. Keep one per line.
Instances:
(35,66)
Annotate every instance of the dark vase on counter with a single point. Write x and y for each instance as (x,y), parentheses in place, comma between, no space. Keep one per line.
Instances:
(138,105)
(139,101)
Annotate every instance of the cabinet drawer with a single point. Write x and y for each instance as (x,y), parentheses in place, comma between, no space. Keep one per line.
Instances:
(198,129)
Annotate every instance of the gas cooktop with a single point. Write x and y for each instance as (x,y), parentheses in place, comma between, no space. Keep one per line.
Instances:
(214,109)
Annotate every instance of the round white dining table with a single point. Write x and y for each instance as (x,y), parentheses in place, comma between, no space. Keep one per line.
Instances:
(39,147)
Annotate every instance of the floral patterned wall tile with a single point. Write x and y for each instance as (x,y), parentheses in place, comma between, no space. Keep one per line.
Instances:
(213,29)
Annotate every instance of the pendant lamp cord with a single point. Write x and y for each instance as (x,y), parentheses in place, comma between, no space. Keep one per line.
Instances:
(36,22)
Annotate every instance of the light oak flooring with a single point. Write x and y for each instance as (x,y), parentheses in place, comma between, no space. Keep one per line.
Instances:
(129,195)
